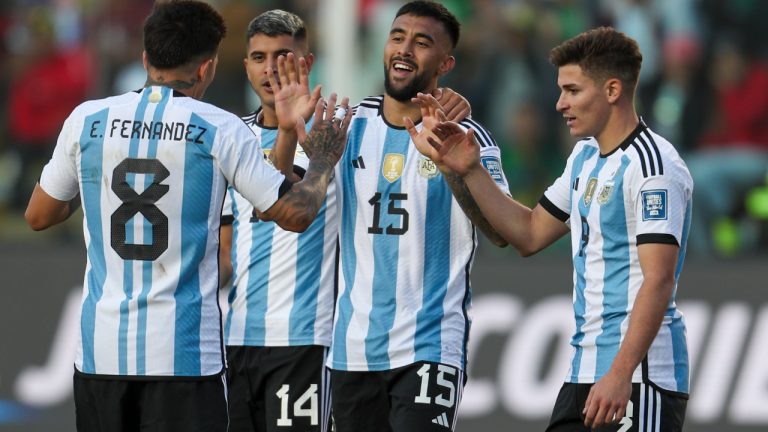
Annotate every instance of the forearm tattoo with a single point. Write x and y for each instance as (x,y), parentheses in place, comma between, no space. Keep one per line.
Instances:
(471,209)
(324,146)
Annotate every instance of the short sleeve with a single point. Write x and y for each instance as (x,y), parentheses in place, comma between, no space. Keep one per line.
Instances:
(59,177)
(557,197)
(490,154)
(241,160)
(661,207)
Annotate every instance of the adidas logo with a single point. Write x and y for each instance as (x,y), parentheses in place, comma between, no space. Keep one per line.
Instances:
(442,420)
(358,163)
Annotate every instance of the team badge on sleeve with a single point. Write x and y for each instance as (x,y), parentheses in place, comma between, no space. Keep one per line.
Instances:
(392,168)
(493,165)
(654,204)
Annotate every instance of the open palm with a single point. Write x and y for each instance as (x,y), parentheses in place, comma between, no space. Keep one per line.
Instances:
(291,86)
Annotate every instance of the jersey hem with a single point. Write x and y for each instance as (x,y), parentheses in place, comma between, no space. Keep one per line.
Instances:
(109,377)
(377,367)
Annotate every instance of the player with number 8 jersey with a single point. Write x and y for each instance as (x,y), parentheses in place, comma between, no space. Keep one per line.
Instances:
(151,168)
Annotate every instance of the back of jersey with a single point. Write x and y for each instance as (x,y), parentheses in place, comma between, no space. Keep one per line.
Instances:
(151,168)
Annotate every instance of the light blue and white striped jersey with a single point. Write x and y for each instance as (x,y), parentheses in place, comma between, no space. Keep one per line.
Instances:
(406,250)
(151,168)
(639,193)
(283,282)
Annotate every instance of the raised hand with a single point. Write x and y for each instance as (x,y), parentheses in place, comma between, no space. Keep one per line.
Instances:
(444,142)
(454,105)
(290,84)
(328,135)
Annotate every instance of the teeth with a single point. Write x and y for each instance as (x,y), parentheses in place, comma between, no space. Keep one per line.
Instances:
(401,66)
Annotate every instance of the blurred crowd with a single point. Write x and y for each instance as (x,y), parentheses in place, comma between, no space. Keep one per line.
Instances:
(704,86)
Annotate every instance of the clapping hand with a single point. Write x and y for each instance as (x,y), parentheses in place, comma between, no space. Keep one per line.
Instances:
(444,142)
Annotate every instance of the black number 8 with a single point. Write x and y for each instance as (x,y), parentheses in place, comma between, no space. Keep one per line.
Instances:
(143,203)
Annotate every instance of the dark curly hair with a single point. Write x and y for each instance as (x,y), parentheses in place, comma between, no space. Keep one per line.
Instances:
(180,31)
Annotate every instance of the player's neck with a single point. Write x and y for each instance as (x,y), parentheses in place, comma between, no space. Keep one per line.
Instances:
(617,129)
(267,117)
(394,110)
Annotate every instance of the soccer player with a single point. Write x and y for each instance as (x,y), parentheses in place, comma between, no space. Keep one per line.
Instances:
(151,169)
(401,325)
(625,196)
(278,328)
(281,304)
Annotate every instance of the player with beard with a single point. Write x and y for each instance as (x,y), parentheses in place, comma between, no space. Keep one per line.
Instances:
(400,331)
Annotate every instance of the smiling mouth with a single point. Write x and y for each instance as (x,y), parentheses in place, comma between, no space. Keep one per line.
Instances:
(402,68)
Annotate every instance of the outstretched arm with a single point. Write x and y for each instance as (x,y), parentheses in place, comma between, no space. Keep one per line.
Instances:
(457,154)
(324,145)
(293,100)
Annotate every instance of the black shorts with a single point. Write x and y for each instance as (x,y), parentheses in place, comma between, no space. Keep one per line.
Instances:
(651,409)
(278,389)
(114,404)
(420,397)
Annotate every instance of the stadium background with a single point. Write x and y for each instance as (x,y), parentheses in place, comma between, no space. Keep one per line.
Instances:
(704,86)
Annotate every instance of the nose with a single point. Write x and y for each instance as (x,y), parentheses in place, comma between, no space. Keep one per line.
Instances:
(271,64)
(561,104)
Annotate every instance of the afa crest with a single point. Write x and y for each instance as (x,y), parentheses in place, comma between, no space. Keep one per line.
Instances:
(605,192)
(427,168)
(392,166)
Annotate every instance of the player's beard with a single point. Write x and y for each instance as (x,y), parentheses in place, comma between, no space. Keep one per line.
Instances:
(419,83)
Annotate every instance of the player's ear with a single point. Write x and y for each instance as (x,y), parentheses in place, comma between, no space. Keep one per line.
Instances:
(446,66)
(144,60)
(310,59)
(613,89)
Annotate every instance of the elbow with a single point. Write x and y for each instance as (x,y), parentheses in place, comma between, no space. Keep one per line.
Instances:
(526,251)
(36,222)
(298,223)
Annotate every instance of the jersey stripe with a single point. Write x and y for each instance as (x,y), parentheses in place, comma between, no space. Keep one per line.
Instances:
(642,158)
(233,292)
(194,236)
(349,213)
(614,233)
(437,252)
(308,271)
(484,137)
(579,265)
(92,152)
(256,306)
(141,302)
(382,316)
(128,265)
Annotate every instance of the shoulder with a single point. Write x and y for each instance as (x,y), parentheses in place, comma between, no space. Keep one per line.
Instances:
(653,155)
(483,135)
(368,107)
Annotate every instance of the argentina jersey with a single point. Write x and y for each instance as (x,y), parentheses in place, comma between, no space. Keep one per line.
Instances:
(639,193)
(283,282)
(151,168)
(406,250)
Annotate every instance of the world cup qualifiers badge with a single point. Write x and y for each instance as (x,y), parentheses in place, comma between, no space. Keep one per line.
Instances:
(427,168)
